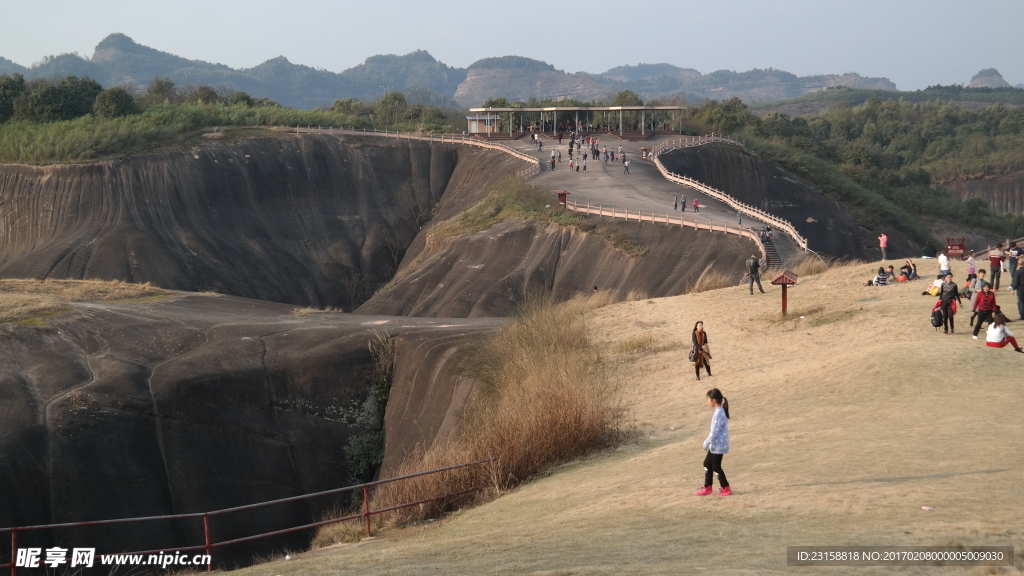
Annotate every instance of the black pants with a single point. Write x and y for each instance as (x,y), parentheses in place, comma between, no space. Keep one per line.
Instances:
(983,316)
(755,278)
(993,277)
(947,315)
(707,368)
(713,465)
(1020,301)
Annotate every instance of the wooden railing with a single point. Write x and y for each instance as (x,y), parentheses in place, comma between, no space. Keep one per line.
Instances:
(672,219)
(465,139)
(691,141)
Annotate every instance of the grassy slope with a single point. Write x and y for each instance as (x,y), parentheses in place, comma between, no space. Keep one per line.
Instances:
(845,423)
(33,301)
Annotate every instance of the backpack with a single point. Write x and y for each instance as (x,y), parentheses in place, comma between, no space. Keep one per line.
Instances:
(936,318)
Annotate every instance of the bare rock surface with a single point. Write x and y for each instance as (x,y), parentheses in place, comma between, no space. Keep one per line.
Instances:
(195,403)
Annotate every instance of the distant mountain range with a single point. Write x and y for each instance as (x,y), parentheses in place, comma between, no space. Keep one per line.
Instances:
(119,60)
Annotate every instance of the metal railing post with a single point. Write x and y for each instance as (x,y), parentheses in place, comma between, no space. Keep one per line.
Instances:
(14,552)
(366,508)
(206,536)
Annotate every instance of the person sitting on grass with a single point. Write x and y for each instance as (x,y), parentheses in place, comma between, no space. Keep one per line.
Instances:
(880,279)
(933,290)
(909,270)
(999,335)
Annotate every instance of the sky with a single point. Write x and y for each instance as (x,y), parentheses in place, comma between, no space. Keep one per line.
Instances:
(914,43)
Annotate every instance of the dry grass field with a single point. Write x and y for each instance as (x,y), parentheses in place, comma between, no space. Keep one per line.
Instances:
(32,301)
(847,419)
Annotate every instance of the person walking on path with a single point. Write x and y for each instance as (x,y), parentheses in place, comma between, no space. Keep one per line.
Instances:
(754,271)
(552,163)
(584,162)
(625,167)
(559,155)
(700,352)
(998,335)
(682,203)
(1017,286)
(883,243)
(985,307)
(995,265)
(716,444)
(696,206)
(675,203)
(739,219)
(949,297)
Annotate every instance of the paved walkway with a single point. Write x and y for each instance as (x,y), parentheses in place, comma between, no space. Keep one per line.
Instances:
(642,189)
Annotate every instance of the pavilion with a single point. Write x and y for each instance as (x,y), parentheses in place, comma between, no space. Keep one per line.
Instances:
(551,114)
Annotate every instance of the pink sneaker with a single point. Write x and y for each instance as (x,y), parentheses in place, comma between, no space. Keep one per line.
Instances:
(727,491)
(705,491)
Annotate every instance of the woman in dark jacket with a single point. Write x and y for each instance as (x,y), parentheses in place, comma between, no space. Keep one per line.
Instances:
(948,292)
(699,351)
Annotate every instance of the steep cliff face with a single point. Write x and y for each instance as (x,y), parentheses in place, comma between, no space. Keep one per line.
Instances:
(304,219)
(489,272)
(199,403)
(1002,193)
(828,226)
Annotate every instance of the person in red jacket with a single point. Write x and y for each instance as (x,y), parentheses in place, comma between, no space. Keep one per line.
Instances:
(984,307)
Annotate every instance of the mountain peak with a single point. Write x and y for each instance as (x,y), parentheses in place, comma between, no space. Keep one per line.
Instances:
(117,41)
(988,78)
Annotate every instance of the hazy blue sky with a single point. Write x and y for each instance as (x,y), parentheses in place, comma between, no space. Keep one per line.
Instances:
(913,43)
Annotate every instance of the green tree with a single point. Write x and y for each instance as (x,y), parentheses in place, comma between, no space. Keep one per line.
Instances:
(10,88)
(239,97)
(352,107)
(627,98)
(114,103)
(161,90)
(390,109)
(65,99)
(205,95)
(497,103)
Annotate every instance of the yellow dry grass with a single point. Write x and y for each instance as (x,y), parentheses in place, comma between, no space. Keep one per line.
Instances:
(33,301)
(307,310)
(845,423)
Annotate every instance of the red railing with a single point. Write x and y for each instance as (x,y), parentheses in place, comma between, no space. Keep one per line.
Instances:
(208,545)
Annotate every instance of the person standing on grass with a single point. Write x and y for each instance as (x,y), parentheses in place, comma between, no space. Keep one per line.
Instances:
(972,271)
(995,265)
(1017,286)
(754,271)
(949,297)
(700,352)
(883,243)
(984,307)
(974,288)
(998,335)
(944,263)
(717,445)
(1013,252)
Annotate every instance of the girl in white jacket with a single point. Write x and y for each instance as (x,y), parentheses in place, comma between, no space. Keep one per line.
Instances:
(717,444)
(999,335)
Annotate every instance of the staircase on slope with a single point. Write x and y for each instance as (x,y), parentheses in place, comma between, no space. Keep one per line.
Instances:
(774,262)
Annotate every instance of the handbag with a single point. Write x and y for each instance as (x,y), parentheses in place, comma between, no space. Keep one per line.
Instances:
(693,354)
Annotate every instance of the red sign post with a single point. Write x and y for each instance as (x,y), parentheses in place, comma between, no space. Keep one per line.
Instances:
(784,279)
(955,247)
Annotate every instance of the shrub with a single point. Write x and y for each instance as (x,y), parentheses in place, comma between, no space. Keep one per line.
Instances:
(114,103)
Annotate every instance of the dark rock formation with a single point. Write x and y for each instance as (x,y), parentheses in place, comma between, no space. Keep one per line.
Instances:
(1003,193)
(829,227)
(487,273)
(199,403)
(311,220)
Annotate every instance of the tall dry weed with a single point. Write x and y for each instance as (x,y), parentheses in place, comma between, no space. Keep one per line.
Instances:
(710,278)
(542,396)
